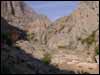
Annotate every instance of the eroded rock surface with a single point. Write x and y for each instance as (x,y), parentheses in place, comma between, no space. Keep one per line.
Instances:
(77,34)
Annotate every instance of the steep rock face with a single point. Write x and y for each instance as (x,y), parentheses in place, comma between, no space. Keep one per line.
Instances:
(20,15)
(92,5)
(38,28)
(76,34)
(17,13)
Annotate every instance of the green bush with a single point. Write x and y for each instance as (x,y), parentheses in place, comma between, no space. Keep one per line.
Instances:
(47,58)
(89,40)
(97,50)
(30,36)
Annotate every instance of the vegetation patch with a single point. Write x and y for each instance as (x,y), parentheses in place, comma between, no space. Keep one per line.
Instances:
(89,40)
(62,46)
(97,50)
(47,58)
(30,36)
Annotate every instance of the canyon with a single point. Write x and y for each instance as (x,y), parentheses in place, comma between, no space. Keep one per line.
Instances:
(68,45)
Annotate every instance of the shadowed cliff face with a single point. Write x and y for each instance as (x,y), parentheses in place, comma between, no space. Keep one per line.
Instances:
(13,32)
(70,39)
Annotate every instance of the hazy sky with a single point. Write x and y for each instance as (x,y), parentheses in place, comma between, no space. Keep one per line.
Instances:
(53,9)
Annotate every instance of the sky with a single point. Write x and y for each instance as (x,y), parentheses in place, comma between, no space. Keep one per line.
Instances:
(53,9)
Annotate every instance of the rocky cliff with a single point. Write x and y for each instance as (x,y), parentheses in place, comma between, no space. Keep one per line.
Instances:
(77,34)
(20,15)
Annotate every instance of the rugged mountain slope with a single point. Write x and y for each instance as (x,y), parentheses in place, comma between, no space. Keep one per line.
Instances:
(77,34)
(18,14)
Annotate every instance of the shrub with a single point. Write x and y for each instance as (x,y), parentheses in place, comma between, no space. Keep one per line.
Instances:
(89,40)
(47,58)
(30,36)
(97,50)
